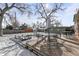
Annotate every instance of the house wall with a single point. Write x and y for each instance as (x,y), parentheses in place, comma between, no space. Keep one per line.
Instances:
(76,26)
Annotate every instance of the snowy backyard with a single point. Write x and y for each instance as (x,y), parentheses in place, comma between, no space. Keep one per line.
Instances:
(10,48)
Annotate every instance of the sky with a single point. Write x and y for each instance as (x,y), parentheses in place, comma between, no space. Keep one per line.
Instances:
(65,17)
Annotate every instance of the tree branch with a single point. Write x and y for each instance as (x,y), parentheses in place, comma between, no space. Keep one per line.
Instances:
(44,9)
(6,5)
(6,21)
(7,8)
(8,15)
(41,14)
(9,18)
(56,8)
(19,8)
(0,10)
(12,5)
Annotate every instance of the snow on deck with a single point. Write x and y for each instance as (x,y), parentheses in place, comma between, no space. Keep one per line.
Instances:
(10,48)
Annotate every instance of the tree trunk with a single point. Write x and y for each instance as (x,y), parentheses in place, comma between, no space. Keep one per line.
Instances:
(1,30)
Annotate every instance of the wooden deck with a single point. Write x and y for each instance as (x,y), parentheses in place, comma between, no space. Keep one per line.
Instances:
(70,47)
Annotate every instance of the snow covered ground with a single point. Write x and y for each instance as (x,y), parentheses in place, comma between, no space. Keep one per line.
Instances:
(10,48)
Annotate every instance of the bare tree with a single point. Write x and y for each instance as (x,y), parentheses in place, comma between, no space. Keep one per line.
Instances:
(14,21)
(6,7)
(47,13)
(57,23)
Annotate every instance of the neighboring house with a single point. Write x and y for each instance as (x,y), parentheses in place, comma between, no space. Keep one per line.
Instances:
(60,30)
(28,30)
